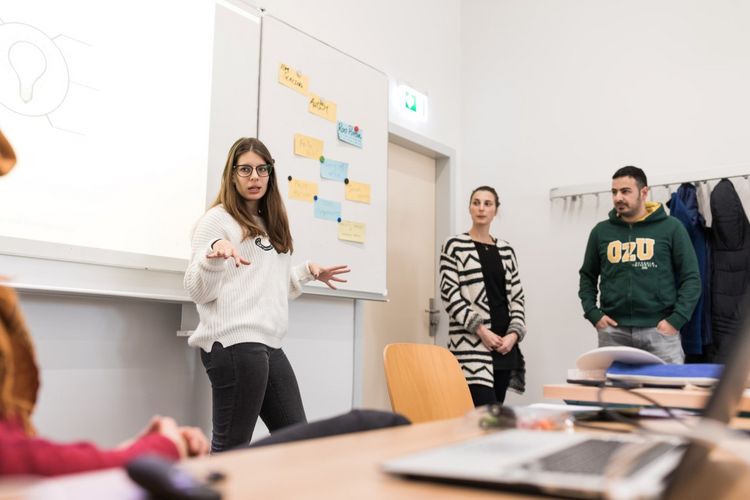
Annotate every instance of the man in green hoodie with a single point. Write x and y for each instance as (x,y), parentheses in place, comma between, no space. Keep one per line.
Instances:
(647,272)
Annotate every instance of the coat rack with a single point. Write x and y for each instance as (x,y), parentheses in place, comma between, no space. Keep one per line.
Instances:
(669,181)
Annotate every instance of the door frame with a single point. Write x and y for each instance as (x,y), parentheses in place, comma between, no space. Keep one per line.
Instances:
(446,187)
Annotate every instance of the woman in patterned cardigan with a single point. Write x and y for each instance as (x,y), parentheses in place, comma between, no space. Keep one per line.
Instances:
(482,294)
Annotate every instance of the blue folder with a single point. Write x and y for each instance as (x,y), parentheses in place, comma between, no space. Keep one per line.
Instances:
(705,374)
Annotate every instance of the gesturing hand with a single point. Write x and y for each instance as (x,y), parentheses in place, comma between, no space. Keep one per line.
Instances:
(224,249)
(328,274)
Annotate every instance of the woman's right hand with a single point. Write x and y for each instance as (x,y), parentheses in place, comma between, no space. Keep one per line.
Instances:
(490,340)
(223,249)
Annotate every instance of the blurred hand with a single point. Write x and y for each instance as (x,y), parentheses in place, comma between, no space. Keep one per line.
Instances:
(507,342)
(189,441)
(665,328)
(167,427)
(328,274)
(490,340)
(223,249)
(195,440)
(605,322)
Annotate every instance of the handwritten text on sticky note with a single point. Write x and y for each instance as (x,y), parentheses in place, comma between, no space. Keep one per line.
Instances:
(334,170)
(293,79)
(327,209)
(324,109)
(351,134)
(302,190)
(358,191)
(352,231)
(309,147)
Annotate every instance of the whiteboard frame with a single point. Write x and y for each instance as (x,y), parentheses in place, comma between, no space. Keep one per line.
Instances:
(59,268)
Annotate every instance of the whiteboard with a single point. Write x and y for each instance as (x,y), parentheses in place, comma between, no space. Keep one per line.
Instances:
(123,141)
(126,119)
(360,94)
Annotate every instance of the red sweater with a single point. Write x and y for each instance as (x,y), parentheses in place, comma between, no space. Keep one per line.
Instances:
(20,454)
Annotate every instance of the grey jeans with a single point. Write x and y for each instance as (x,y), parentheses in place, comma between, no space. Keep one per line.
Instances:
(667,347)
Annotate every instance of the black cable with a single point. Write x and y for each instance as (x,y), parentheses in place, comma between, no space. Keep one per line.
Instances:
(606,407)
(603,428)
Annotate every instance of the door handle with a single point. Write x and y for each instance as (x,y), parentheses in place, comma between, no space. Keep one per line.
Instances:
(434,317)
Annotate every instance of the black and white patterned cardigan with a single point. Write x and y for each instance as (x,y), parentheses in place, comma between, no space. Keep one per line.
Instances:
(465,300)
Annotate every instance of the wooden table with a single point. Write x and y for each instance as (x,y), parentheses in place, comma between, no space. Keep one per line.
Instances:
(673,398)
(345,467)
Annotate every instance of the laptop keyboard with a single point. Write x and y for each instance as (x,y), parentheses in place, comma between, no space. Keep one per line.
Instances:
(592,457)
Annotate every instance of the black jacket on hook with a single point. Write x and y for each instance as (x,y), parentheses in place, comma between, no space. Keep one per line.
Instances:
(731,265)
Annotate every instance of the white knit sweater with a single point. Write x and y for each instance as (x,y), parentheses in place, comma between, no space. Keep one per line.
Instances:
(240,304)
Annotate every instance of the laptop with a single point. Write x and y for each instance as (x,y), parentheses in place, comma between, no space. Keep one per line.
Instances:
(581,464)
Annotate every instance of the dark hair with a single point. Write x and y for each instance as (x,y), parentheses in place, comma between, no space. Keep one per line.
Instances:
(634,172)
(271,205)
(488,189)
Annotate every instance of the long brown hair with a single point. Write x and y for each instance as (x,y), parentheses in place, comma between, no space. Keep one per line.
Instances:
(271,206)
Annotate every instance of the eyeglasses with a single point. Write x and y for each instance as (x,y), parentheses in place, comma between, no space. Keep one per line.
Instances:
(247,170)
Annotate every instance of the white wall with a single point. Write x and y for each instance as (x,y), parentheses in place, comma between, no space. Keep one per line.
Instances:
(559,93)
(108,365)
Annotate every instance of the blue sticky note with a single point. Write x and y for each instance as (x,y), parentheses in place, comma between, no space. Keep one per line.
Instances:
(327,209)
(334,170)
(347,134)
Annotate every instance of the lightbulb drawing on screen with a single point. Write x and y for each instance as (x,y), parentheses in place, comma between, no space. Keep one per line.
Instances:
(29,63)
(34,76)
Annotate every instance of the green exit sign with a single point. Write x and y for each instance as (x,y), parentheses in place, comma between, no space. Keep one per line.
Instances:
(413,103)
(410,100)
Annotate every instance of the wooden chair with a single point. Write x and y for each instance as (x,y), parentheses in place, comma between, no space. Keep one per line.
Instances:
(425,382)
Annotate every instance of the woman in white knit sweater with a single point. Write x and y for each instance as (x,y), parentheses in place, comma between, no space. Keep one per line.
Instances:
(240,277)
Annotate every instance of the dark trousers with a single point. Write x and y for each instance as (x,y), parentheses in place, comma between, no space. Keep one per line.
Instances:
(353,421)
(250,380)
(483,395)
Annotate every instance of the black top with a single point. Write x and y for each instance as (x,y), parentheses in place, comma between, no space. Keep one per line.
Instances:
(494,285)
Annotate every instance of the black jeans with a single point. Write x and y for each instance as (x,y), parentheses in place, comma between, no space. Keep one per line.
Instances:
(483,395)
(250,380)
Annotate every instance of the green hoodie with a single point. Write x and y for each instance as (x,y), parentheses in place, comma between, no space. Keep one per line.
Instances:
(648,269)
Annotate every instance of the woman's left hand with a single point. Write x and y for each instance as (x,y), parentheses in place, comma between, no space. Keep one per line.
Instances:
(508,342)
(328,274)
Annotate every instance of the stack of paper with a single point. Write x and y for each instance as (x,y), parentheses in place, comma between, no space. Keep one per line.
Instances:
(635,366)
(705,374)
(591,367)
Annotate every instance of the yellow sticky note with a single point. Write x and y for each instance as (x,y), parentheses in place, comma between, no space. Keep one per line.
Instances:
(302,190)
(358,191)
(352,231)
(293,79)
(309,147)
(324,109)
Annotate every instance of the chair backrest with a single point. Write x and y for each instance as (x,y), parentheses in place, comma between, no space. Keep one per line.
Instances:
(425,382)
